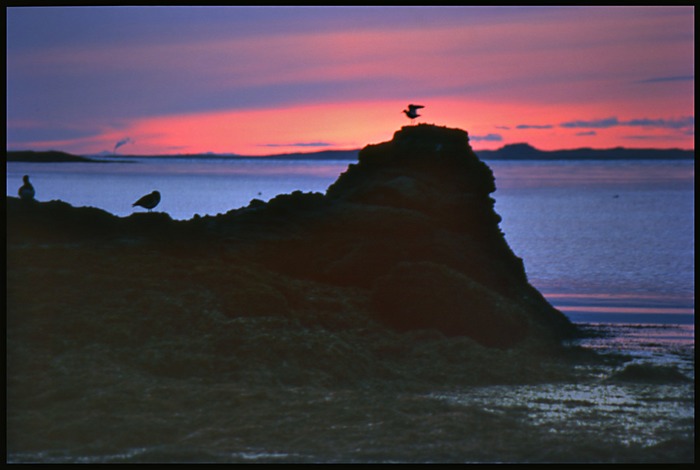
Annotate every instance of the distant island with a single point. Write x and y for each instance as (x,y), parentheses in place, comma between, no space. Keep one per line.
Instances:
(528,152)
(51,156)
(520,151)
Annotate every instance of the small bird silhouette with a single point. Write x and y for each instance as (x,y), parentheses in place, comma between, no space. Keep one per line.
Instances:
(149,201)
(26,191)
(412,111)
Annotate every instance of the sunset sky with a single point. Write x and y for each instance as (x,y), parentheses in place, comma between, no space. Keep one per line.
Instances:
(262,80)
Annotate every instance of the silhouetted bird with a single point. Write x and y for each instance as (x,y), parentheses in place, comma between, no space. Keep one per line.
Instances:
(26,192)
(412,111)
(149,201)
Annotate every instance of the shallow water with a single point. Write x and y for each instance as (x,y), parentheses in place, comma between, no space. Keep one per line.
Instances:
(145,418)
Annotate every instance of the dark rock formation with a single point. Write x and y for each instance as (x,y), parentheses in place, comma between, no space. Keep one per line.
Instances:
(413,221)
(411,226)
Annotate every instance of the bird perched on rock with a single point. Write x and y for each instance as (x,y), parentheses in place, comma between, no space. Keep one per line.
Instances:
(412,111)
(26,191)
(149,201)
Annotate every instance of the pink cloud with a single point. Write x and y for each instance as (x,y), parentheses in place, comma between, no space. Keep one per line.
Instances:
(346,86)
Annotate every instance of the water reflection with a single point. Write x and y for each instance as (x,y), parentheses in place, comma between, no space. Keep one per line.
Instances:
(630,414)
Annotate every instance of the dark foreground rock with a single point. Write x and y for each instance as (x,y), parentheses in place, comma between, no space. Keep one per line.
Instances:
(411,225)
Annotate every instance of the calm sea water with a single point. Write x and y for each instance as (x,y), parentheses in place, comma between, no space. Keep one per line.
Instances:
(611,244)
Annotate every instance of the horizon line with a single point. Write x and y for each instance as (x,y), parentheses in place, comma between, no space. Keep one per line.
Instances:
(106,153)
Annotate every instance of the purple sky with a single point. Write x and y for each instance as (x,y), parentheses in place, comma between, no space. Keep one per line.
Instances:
(262,79)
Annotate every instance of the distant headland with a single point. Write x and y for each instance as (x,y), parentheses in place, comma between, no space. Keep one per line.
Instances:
(50,156)
(55,156)
(520,151)
(528,152)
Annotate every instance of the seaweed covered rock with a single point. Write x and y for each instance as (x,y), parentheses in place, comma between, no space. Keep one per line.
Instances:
(648,373)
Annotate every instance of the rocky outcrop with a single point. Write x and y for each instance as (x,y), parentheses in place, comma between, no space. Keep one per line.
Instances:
(411,226)
(414,222)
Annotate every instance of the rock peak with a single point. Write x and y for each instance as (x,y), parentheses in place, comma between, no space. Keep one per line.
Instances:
(426,140)
(424,134)
(437,163)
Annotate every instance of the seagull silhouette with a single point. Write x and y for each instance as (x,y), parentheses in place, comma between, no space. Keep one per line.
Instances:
(412,111)
(149,201)
(26,192)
